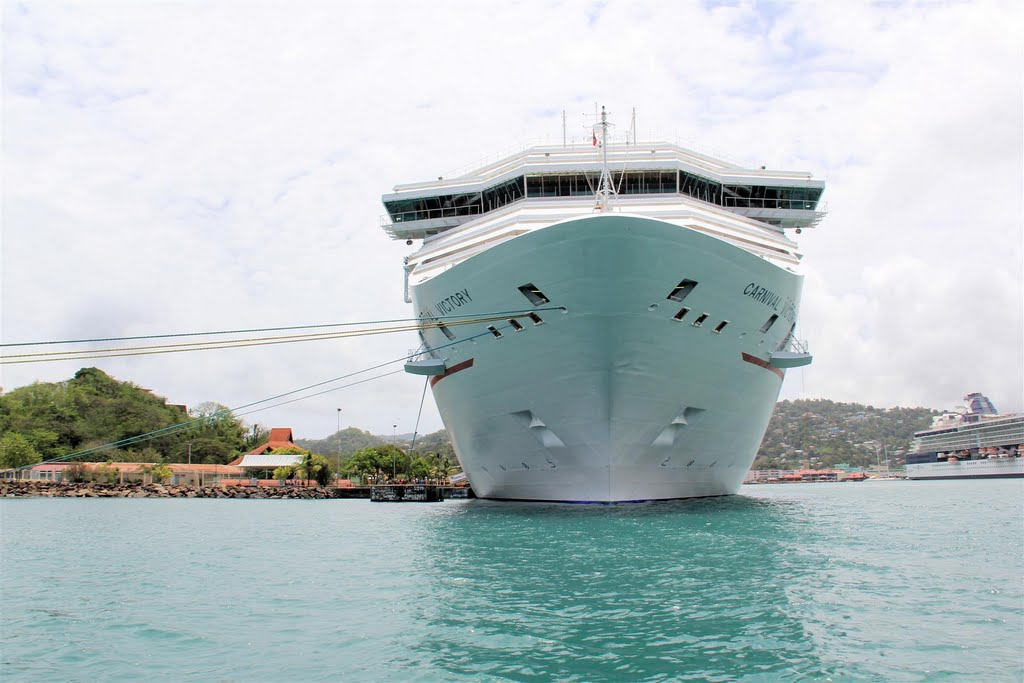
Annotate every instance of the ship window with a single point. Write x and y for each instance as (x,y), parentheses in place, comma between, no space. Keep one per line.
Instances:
(721,326)
(536,319)
(442,206)
(516,325)
(682,312)
(502,194)
(766,197)
(700,319)
(448,333)
(494,330)
(562,184)
(682,290)
(535,296)
(768,325)
(647,182)
(699,188)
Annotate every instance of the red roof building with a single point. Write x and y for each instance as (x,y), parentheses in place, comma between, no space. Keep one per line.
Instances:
(280,437)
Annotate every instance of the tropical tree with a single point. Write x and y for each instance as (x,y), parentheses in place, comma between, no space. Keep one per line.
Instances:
(444,465)
(256,437)
(315,467)
(16,451)
(215,421)
(208,449)
(375,460)
(420,467)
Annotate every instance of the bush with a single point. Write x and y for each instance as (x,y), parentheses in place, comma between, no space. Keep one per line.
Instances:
(158,472)
(161,473)
(76,474)
(106,473)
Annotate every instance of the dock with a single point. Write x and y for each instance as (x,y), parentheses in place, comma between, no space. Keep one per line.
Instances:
(407,493)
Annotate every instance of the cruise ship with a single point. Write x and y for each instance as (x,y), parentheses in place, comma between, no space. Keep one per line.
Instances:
(976,442)
(606,321)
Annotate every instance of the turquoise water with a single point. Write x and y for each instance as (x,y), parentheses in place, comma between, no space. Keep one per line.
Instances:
(879,581)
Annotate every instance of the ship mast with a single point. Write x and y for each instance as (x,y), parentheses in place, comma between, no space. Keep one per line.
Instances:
(605,188)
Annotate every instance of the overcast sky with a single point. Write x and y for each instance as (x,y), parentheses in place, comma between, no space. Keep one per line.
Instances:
(184,166)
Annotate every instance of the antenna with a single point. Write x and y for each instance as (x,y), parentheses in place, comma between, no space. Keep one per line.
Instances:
(632,128)
(605,188)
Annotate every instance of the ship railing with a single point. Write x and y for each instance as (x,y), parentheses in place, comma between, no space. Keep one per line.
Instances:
(798,345)
(419,353)
(585,143)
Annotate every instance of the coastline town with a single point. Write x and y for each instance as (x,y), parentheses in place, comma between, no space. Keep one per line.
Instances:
(274,469)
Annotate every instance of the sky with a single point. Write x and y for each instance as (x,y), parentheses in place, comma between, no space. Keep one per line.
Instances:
(192,166)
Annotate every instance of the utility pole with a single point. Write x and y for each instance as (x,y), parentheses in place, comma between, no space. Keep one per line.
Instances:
(394,448)
(337,435)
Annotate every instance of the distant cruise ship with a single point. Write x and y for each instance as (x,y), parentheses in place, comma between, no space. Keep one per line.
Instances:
(977,442)
(606,322)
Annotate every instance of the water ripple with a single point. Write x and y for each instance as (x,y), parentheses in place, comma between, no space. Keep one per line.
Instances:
(868,582)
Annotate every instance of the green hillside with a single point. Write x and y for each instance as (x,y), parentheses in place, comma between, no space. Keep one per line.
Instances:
(821,433)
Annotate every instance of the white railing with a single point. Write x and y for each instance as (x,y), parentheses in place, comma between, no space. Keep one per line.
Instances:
(798,345)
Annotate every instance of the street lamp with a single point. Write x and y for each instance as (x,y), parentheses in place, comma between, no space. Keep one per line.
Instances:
(394,448)
(337,435)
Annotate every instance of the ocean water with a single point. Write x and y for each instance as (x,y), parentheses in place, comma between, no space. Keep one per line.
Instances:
(877,581)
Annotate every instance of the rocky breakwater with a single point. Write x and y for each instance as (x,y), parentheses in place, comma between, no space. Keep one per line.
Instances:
(50,489)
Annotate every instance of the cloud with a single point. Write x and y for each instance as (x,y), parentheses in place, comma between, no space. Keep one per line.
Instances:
(200,166)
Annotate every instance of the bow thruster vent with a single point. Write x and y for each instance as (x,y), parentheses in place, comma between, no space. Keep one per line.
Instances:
(674,431)
(545,436)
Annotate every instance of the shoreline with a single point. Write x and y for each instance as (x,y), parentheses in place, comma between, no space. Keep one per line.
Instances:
(51,489)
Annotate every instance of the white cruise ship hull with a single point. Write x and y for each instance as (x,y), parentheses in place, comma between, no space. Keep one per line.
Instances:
(611,399)
(968,469)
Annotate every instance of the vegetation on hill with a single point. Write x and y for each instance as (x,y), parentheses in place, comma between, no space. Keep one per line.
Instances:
(343,443)
(363,454)
(823,433)
(45,421)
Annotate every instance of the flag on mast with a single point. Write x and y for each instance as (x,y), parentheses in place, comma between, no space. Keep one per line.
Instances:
(595,139)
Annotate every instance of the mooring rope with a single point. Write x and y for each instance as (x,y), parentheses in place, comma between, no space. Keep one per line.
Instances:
(269,329)
(166,431)
(116,352)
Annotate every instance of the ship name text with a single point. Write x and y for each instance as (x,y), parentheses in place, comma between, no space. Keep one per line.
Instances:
(447,305)
(771,300)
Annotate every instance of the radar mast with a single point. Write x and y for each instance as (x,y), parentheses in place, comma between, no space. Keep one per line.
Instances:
(605,188)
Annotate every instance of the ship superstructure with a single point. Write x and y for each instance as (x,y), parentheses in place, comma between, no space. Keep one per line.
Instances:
(975,442)
(606,322)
